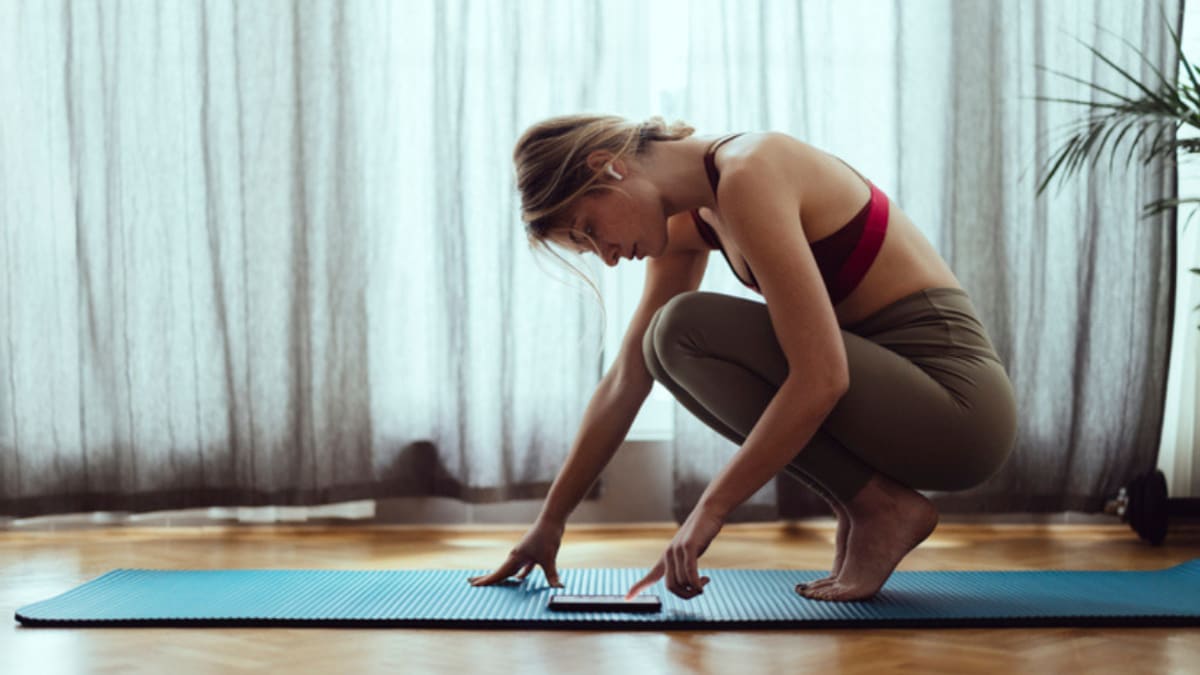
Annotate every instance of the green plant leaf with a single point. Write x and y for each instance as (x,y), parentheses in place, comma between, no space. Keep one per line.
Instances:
(1062,156)
(1182,57)
(1160,205)
(1137,50)
(1133,146)
(1090,104)
(1160,147)
(1154,113)
(1080,80)
(1129,124)
(1136,82)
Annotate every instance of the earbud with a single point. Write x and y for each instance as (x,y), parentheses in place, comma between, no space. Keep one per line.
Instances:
(612,172)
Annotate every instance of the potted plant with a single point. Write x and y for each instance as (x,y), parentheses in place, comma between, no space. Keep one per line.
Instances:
(1157,108)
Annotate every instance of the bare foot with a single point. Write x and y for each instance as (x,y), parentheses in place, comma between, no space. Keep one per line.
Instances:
(888,521)
(839,557)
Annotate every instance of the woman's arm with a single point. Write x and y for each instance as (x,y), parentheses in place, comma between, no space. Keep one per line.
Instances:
(785,427)
(762,212)
(624,389)
(606,422)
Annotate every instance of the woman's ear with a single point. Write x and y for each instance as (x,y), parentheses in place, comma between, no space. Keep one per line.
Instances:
(620,166)
(598,159)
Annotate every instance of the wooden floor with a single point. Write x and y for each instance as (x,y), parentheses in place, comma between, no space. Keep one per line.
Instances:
(37,565)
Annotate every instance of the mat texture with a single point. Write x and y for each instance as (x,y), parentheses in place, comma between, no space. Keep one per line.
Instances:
(734,598)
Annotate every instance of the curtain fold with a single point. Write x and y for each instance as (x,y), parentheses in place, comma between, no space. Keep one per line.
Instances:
(270,253)
(933,101)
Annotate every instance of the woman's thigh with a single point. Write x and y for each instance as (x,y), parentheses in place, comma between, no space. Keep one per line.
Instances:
(937,421)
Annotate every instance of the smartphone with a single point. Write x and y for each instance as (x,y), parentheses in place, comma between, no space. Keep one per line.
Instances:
(604,603)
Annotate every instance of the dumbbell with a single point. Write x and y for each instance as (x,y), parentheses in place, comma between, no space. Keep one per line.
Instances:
(1143,503)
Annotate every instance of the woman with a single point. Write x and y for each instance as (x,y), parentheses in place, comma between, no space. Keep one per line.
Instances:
(865,374)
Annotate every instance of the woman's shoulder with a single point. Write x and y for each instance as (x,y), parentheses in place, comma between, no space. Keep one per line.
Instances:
(758,149)
(755,155)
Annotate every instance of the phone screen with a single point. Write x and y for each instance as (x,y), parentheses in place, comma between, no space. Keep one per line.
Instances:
(604,603)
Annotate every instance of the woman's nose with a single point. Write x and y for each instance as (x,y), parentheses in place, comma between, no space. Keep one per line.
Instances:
(614,256)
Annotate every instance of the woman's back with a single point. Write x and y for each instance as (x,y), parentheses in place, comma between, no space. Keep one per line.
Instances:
(830,195)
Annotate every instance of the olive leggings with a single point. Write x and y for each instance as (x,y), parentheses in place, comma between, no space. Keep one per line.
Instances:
(929,404)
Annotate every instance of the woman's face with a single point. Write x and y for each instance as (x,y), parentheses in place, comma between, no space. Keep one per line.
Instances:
(617,223)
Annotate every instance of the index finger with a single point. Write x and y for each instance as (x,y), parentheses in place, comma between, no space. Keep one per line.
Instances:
(647,580)
(636,589)
(506,570)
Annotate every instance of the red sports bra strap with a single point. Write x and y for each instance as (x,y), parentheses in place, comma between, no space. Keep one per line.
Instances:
(855,268)
(709,165)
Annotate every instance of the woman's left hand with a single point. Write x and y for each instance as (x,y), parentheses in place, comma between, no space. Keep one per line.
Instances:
(680,562)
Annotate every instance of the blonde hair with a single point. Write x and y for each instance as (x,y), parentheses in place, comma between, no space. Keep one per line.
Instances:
(552,171)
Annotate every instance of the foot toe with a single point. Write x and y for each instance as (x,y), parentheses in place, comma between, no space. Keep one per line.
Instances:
(815,594)
(814,584)
(841,593)
(822,583)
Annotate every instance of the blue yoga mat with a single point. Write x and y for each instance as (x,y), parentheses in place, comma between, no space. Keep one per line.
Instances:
(735,598)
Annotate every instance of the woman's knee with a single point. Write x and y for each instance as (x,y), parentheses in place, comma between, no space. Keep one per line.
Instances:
(649,353)
(663,330)
(672,323)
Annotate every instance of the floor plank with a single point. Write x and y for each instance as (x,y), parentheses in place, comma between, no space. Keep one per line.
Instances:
(38,564)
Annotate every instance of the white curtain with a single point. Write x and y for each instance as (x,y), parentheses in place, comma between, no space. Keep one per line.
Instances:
(270,253)
(933,100)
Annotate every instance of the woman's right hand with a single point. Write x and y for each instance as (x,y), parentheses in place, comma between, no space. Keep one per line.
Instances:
(539,547)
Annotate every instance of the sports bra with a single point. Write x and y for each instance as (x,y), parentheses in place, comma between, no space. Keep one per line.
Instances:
(843,257)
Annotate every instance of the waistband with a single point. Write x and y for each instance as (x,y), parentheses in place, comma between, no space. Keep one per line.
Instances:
(940,321)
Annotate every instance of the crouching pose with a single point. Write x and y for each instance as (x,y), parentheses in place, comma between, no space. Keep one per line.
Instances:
(864,372)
